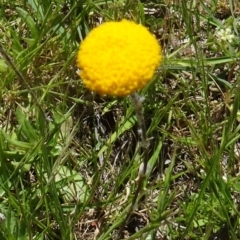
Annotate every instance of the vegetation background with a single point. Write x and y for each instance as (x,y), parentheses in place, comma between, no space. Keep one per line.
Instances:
(69,158)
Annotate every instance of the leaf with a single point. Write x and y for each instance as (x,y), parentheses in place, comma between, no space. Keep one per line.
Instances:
(236,187)
(66,127)
(26,17)
(9,227)
(3,66)
(26,167)
(126,126)
(71,184)
(207,61)
(16,143)
(26,127)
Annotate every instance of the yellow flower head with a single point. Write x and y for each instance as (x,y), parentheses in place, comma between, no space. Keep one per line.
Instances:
(118,58)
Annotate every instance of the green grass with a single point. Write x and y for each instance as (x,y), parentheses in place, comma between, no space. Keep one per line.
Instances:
(70,158)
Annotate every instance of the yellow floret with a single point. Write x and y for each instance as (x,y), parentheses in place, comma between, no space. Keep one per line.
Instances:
(118,58)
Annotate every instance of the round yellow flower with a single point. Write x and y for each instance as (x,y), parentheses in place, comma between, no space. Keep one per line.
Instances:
(118,58)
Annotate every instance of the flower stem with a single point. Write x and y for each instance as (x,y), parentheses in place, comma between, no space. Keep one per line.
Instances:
(137,101)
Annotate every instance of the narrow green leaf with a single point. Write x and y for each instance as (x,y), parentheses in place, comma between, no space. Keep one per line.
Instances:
(26,127)
(3,66)
(207,61)
(16,143)
(26,17)
(126,126)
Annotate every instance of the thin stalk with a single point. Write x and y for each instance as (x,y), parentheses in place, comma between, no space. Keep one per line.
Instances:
(137,101)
